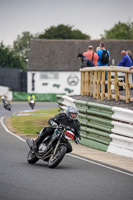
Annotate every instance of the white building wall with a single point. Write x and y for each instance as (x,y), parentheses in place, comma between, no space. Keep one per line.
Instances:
(53,82)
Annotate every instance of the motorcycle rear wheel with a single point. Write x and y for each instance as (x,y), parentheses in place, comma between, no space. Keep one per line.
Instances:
(57,158)
(31,157)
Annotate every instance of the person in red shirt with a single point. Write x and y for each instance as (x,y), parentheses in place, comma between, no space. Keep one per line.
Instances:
(91,55)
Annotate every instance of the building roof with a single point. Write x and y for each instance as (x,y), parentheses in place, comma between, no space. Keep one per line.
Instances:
(61,55)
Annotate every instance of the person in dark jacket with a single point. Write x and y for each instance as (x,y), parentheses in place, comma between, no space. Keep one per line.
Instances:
(67,119)
(86,62)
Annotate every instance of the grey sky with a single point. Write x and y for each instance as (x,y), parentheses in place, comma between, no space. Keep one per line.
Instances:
(90,16)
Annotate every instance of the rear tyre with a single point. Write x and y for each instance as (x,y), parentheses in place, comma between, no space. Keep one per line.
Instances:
(57,158)
(31,157)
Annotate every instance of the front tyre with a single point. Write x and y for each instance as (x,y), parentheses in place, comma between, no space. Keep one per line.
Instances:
(57,158)
(32,106)
(31,157)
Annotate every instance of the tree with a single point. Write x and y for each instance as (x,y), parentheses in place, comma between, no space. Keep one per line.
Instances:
(63,32)
(9,58)
(21,45)
(119,31)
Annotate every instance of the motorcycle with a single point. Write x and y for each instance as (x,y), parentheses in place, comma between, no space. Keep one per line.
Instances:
(53,148)
(32,103)
(7,105)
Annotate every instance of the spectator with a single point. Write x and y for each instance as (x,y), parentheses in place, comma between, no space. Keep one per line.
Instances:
(125,61)
(98,48)
(100,53)
(85,61)
(129,53)
(104,57)
(91,55)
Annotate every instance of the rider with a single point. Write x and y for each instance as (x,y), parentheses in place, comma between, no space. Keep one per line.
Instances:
(4,100)
(67,119)
(31,97)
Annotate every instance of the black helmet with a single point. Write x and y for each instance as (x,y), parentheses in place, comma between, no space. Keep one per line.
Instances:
(72,113)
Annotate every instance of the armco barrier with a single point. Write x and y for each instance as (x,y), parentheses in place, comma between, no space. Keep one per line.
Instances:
(103,127)
(95,125)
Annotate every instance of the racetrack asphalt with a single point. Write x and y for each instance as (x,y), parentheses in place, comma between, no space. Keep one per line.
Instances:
(110,159)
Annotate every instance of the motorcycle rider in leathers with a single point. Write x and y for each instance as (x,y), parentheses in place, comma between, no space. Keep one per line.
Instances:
(68,119)
(5,101)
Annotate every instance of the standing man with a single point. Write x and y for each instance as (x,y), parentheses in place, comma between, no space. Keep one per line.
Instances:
(91,55)
(104,57)
(85,61)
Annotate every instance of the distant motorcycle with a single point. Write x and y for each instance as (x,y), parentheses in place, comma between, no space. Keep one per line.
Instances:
(53,148)
(7,105)
(32,103)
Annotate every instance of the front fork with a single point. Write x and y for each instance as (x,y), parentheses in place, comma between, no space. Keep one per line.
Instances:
(57,145)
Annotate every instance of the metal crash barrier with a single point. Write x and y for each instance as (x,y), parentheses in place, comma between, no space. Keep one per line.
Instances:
(103,127)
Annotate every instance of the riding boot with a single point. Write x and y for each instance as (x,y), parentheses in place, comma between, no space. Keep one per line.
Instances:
(43,133)
(37,143)
(39,140)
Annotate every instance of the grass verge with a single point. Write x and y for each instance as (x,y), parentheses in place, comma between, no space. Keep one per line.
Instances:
(32,123)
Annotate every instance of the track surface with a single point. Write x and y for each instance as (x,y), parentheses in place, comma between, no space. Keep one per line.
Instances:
(73,179)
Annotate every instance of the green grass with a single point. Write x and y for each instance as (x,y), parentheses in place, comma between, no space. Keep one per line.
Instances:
(34,122)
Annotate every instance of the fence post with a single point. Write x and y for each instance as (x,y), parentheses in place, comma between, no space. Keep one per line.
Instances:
(98,85)
(116,87)
(91,83)
(82,83)
(127,88)
(86,83)
(109,85)
(95,84)
(103,85)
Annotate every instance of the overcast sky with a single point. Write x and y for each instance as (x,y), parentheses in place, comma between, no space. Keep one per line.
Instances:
(90,16)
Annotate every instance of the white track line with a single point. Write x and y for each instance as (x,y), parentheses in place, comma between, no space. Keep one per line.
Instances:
(101,165)
(74,156)
(7,130)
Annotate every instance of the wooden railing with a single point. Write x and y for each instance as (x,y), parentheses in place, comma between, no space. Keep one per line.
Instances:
(93,83)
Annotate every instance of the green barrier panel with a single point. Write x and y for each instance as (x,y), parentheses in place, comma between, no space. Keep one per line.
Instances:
(103,110)
(100,120)
(95,126)
(83,134)
(94,108)
(103,128)
(106,108)
(82,110)
(23,96)
(97,132)
(97,140)
(94,144)
(99,113)
(102,137)
(82,105)
(95,122)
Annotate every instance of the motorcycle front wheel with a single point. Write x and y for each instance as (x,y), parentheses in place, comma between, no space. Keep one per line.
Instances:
(57,158)
(31,157)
